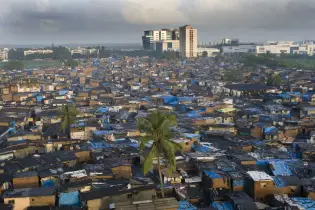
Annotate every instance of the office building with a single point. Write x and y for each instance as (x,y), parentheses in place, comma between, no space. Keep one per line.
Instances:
(242,48)
(188,41)
(166,45)
(4,53)
(211,52)
(227,41)
(37,51)
(288,47)
(152,36)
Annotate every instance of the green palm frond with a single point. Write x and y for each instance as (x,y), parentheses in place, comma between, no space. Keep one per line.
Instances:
(67,114)
(147,165)
(168,151)
(144,140)
(157,127)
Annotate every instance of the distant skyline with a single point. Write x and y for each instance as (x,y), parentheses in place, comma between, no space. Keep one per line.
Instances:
(123,21)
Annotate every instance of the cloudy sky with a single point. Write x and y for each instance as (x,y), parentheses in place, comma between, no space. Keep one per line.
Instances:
(123,21)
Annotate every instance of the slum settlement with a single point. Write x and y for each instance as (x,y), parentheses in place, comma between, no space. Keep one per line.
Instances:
(70,137)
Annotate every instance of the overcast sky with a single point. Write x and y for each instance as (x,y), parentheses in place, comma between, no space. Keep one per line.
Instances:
(123,21)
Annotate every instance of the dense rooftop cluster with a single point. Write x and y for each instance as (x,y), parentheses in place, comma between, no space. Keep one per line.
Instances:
(69,137)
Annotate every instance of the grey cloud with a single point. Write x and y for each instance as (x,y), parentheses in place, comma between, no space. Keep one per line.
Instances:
(124,20)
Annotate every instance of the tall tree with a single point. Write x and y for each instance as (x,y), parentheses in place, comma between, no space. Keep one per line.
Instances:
(274,80)
(157,128)
(68,114)
(204,54)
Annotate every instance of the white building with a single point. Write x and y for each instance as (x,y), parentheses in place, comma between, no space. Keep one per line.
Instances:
(238,49)
(39,51)
(278,48)
(152,36)
(188,38)
(79,50)
(4,54)
(230,41)
(166,45)
(212,52)
(310,49)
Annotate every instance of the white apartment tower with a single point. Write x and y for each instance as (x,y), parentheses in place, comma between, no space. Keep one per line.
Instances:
(188,41)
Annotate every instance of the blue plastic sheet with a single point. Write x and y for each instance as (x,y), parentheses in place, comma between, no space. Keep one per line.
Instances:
(102,110)
(280,168)
(185,205)
(48,183)
(169,99)
(212,174)
(63,92)
(306,203)
(279,182)
(200,149)
(191,135)
(39,98)
(238,182)
(69,199)
(222,205)
(100,145)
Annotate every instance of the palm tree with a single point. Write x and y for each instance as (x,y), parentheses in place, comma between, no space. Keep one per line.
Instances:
(67,113)
(157,128)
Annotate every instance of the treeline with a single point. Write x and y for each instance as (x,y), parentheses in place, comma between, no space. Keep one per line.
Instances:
(59,53)
(285,61)
(63,53)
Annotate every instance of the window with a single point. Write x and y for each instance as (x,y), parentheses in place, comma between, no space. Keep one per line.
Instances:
(11,201)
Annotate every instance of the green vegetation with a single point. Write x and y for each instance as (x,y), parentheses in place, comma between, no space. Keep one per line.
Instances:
(71,63)
(13,65)
(287,61)
(274,80)
(16,54)
(157,127)
(60,53)
(204,54)
(27,64)
(68,114)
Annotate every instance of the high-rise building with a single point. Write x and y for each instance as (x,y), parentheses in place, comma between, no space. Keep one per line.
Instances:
(149,37)
(166,45)
(152,36)
(227,41)
(4,54)
(188,41)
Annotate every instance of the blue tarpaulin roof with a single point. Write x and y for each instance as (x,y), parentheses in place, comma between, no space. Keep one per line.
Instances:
(200,148)
(185,205)
(212,175)
(279,182)
(102,133)
(271,130)
(238,182)
(194,113)
(191,135)
(280,168)
(222,205)
(169,99)
(69,199)
(306,203)
(48,183)
(99,145)
(102,110)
